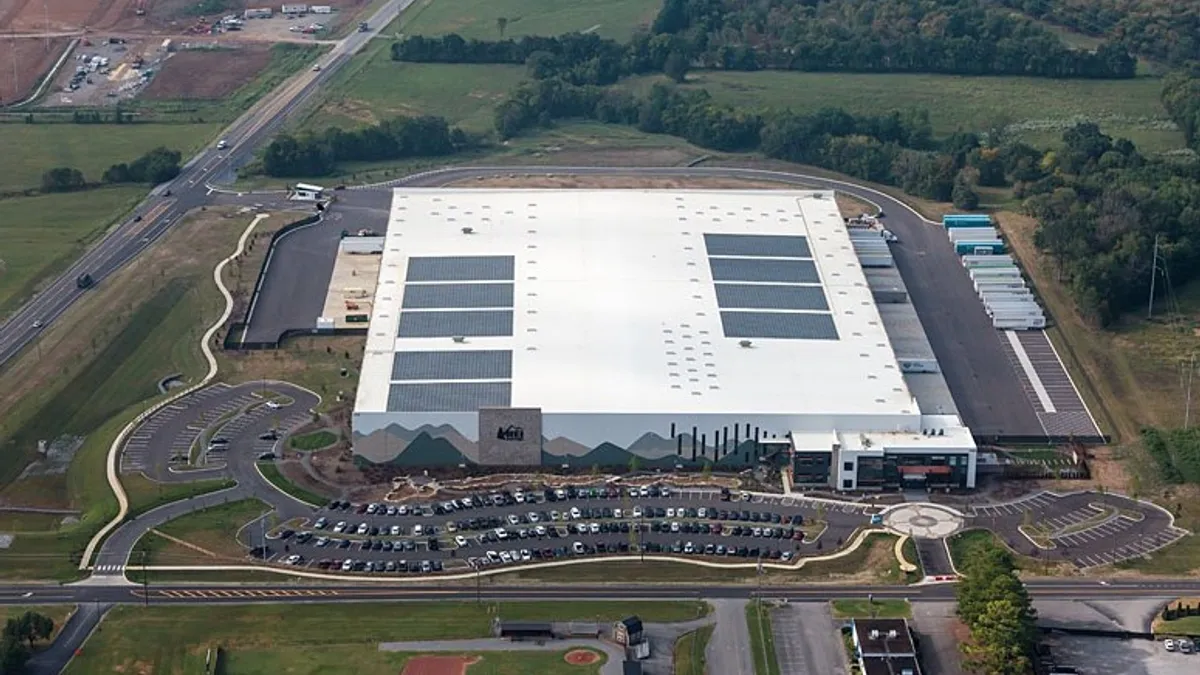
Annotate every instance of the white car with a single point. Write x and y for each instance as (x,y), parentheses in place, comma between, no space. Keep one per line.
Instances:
(505,557)
(322,541)
(526,556)
(372,508)
(689,548)
(560,494)
(541,531)
(274,405)
(395,530)
(501,533)
(595,528)
(37,323)
(461,541)
(664,491)
(391,510)
(701,512)
(617,513)
(675,526)
(637,512)
(533,517)
(222,144)
(578,548)
(402,510)
(643,491)
(519,496)
(555,515)
(1169,645)
(671,512)
(418,530)
(363,528)
(340,527)
(513,519)
(493,557)
(347,565)
(293,559)
(317,68)
(576,514)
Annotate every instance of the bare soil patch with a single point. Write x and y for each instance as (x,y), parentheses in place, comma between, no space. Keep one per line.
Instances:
(33,61)
(846,204)
(438,665)
(208,74)
(69,15)
(581,657)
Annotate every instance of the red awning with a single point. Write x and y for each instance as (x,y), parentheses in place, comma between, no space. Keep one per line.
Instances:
(924,469)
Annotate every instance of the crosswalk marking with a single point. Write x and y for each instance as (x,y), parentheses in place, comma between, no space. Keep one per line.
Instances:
(238,593)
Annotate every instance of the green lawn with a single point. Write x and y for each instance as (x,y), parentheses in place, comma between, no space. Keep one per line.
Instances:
(617,19)
(213,529)
(880,608)
(314,441)
(689,652)
(1039,107)
(31,149)
(272,473)
(762,642)
(58,613)
(324,638)
(42,235)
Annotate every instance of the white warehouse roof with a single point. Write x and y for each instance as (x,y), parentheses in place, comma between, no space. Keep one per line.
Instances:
(627,301)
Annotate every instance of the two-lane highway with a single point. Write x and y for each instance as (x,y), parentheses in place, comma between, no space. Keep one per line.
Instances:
(168,202)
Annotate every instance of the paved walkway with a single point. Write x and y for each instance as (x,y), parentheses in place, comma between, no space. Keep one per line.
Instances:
(611,667)
(729,649)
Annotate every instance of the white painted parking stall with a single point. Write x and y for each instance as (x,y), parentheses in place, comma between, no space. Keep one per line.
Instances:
(1040,501)
(1136,549)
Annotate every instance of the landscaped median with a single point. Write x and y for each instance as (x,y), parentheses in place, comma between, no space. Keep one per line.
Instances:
(342,638)
(871,608)
(1179,617)
(762,642)
(271,472)
(689,651)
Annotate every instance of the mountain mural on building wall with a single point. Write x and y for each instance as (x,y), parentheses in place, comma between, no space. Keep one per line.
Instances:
(443,445)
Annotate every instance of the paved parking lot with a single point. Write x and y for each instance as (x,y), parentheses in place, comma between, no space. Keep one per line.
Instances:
(1100,656)
(167,437)
(1086,529)
(807,640)
(504,528)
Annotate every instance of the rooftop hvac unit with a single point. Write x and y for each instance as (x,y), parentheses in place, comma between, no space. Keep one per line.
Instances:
(892,634)
(745,343)
(874,635)
(459,338)
(468,230)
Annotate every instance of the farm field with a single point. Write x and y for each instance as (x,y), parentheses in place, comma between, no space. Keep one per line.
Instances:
(175,639)
(32,149)
(381,88)
(617,19)
(1039,107)
(43,234)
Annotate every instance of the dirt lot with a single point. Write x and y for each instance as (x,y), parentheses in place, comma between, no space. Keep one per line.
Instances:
(33,62)
(848,205)
(205,74)
(69,15)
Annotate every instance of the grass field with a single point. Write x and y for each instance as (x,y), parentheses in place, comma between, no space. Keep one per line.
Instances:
(1039,107)
(883,608)
(313,638)
(31,149)
(689,652)
(272,473)
(43,234)
(314,441)
(1188,625)
(213,529)
(58,613)
(762,641)
(617,19)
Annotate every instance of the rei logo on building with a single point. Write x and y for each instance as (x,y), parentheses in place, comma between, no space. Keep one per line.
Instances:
(510,433)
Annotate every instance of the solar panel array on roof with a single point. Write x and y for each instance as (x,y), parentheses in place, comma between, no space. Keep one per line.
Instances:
(473,323)
(757,245)
(764,270)
(455,296)
(448,396)
(461,268)
(770,296)
(779,325)
(474,364)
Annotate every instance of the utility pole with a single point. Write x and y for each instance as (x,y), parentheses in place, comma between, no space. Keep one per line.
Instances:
(1153,278)
(145,581)
(1187,410)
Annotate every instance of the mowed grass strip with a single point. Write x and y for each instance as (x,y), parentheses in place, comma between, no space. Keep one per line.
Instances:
(363,660)
(954,102)
(279,638)
(689,652)
(762,641)
(273,474)
(861,608)
(617,19)
(314,441)
(213,529)
(32,149)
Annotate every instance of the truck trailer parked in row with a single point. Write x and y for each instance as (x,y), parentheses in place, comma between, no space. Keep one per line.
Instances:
(979,247)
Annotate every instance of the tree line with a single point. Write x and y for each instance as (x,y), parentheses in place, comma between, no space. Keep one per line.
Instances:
(996,607)
(156,166)
(1100,207)
(317,154)
(18,639)
(1164,30)
(1175,452)
(963,37)
(1181,98)
(896,148)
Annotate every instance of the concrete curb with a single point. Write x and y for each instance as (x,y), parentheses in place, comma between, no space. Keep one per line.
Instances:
(898,549)
(111,468)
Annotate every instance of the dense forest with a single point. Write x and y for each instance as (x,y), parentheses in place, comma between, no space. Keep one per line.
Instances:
(318,154)
(935,36)
(1165,30)
(1181,98)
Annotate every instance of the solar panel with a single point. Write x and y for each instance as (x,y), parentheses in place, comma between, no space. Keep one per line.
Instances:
(779,325)
(451,296)
(482,364)
(461,268)
(779,271)
(475,323)
(764,245)
(448,396)
(769,296)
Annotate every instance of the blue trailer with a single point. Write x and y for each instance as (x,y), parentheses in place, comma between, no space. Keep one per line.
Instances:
(979,247)
(966,220)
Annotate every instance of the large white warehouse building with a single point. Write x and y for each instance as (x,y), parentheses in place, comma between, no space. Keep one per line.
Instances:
(677,327)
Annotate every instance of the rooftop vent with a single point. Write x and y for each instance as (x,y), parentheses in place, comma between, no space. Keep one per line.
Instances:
(745,344)
(892,634)
(459,338)
(874,635)
(468,230)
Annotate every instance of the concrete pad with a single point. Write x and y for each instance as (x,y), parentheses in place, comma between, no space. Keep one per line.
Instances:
(934,624)
(351,287)
(1111,655)
(923,521)
(807,640)
(1130,615)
